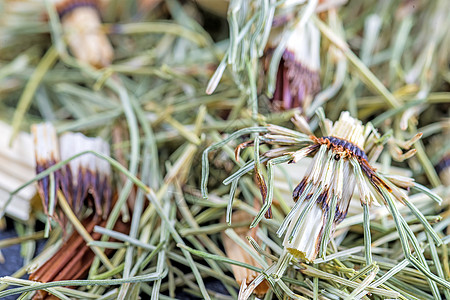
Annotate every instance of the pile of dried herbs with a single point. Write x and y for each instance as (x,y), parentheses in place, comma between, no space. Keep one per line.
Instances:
(226,149)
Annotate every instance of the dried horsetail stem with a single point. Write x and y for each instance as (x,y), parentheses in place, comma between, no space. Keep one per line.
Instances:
(297,79)
(46,154)
(81,23)
(83,178)
(326,190)
(341,161)
(90,175)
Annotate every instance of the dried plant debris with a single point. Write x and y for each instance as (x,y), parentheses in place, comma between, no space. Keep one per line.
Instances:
(298,79)
(80,20)
(181,148)
(18,167)
(84,181)
(243,276)
(80,24)
(341,161)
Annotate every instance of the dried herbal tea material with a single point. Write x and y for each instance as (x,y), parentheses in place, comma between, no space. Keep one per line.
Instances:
(382,65)
(81,23)
(84,178)
(73,260)
(46,150)
(298,78)
(217,7)
(15,15)
(342,160)
(439,152)
(89,174)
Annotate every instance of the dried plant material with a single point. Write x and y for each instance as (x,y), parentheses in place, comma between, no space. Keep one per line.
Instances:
(429,56)
(302,124)
(17,167)
(297,80)
(261,184)
(82,26)
(13,15)
(46,151)
(341,158)
(85,178)
(290,173)
(242,275)
(80,20)
(117,138)
(378,61)
(89,174)
(148,5)
(340,163)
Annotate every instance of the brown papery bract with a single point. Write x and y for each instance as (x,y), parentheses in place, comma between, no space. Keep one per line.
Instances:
(234,251)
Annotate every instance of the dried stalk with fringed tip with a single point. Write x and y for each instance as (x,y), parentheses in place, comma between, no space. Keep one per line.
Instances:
(342,160)
(83,179)
(297,79)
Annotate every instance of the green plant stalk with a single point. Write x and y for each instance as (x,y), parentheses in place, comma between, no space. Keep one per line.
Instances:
(34,286)
(137,212)
(153,200)
(116,85)
(17,240)
(437,262)
(160,264)
(366,75)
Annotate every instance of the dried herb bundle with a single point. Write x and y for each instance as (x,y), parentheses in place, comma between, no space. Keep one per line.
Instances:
(134,92)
